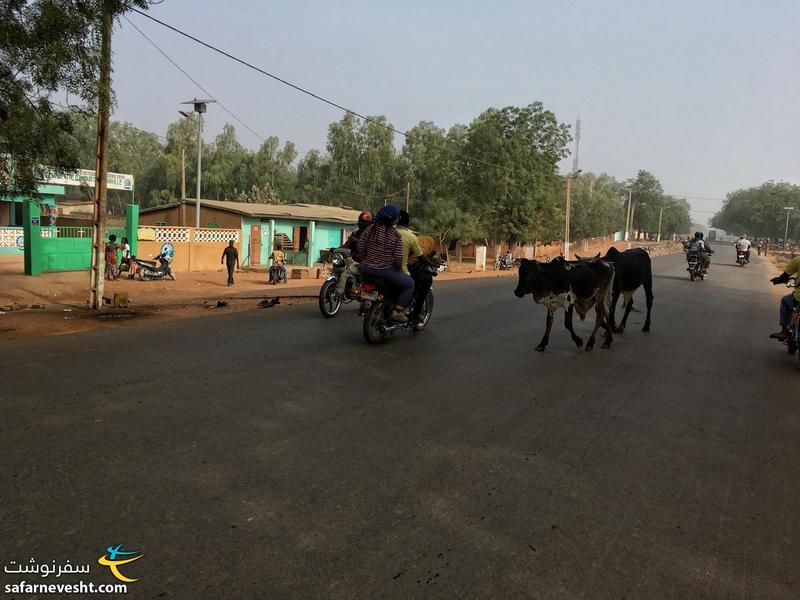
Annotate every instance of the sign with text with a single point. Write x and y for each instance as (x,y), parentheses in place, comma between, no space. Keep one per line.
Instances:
(116,181)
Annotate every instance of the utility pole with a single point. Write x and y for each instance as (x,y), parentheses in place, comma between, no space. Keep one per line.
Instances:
(788,210)
(660,214)
(199,107)
(408,195)
(568,210)
(183,173)
(98,262)
(628,216)
(199,167)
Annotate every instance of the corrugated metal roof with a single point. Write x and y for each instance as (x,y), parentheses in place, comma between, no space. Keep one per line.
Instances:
(304,212)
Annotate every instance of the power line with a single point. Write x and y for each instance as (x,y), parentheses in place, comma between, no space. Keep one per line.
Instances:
(194,81)
(126,124)
(303,90)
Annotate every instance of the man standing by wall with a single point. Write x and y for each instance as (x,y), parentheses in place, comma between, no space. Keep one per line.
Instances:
(230,256)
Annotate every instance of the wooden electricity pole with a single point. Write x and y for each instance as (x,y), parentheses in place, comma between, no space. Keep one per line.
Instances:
(98,263)
(183,173)
(628,216)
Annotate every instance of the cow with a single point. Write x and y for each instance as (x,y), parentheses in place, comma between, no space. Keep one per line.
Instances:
(632,269)
(576,285)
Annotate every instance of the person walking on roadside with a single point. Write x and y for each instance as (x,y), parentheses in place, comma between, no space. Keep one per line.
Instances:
(230,256)
(112,271)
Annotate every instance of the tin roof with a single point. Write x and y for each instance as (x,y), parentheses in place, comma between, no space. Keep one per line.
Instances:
(300,211)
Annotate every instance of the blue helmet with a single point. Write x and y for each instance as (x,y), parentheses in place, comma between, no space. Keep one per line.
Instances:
(388,214)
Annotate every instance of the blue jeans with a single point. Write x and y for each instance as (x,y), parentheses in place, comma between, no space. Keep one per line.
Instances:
(402,283)
(788,302)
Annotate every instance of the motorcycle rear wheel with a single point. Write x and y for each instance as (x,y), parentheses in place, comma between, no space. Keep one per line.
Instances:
(426,312)
(374,331)
(172,275)
(329,301)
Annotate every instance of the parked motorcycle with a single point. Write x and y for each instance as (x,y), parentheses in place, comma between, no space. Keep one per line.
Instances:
(695,267)
(502,263)
(741,257)
(377,302)
(277,274)
(147,270)
(339,287)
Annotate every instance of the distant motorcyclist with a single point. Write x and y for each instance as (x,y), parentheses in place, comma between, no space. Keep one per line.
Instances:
(743,244)
(703,250)
(788,302)
(364,221)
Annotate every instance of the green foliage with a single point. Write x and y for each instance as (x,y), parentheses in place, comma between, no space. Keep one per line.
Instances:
(649,200)
(759,211)
(47,46)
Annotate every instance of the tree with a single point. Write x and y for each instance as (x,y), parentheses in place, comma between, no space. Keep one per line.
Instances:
(759,211)
(512,169)
(47,47)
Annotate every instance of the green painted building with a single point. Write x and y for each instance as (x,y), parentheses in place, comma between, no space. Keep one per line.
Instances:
(303,230)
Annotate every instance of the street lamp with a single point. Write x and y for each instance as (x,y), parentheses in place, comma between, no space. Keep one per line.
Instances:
(199,108)
(661,214)
(788,210)
(568,211)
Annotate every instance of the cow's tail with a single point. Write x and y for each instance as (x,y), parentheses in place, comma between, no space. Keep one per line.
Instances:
(609,290)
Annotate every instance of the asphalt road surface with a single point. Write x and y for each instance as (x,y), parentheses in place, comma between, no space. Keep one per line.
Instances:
(274,454)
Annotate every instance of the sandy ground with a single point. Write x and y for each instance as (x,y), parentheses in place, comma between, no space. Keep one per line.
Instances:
(57,303)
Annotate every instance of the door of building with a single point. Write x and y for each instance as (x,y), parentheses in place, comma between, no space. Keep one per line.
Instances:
(255,244)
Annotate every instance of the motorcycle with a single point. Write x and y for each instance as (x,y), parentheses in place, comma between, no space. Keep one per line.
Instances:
(147,270)
(741,257)
(695,267)
(277,273)
(502,263)
(377,303)
(793,341)
(340,286)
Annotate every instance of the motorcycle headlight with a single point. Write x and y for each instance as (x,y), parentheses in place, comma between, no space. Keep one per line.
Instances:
(338,259)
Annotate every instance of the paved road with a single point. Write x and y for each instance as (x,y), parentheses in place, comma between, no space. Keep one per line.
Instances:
(273,454)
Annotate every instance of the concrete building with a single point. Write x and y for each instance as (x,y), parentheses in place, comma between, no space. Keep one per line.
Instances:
(303,230)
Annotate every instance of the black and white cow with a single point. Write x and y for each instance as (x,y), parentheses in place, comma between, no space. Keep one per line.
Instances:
(569,285)
(632,269)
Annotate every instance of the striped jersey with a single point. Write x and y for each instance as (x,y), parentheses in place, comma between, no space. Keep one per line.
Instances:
(380,247)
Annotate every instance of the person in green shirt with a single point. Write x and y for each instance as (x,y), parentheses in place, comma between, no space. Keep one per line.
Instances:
(788,302)
(412,251)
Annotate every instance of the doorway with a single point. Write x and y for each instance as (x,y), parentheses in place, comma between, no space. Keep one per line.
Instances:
(255,244)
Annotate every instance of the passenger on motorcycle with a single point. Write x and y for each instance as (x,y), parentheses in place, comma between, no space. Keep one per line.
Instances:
(423,280)
(364,221)
(696,244)
(743,244)
(381,250)
(788,302)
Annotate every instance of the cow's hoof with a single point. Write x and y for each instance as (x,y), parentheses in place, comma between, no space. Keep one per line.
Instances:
(589,348)
(539,348)
(646,328)
(619,330)
(578,342)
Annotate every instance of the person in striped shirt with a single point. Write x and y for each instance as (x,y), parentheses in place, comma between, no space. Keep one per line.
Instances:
(381,251)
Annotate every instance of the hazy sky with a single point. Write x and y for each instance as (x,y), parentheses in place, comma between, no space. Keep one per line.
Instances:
(704,94)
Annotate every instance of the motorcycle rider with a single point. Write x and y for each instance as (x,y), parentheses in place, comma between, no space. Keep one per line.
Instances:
(381,251)
(743,244)
(412,251)
(788,302)
(697,244)
(364,221)
(277,271)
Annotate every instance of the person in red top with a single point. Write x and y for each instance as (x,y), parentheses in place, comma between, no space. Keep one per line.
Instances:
(381,250)
(364,221)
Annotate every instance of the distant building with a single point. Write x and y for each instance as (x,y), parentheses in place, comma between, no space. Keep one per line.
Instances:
(302,230)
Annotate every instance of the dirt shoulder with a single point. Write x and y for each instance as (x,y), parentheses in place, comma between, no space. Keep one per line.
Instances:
(57,303)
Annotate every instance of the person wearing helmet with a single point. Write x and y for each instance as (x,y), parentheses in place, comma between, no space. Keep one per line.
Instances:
(743,244)
(381,251)
(697,244)
(364,221)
